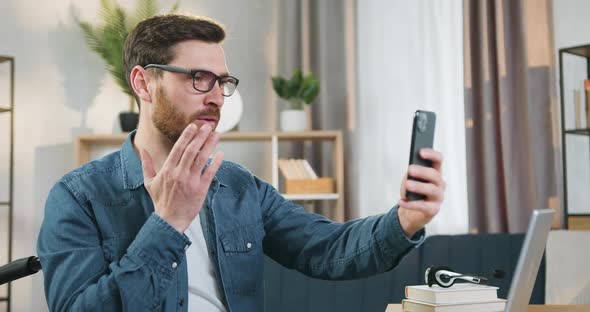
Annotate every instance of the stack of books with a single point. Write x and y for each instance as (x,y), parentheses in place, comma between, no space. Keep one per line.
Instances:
(294,169)
(300,178)
(457,298)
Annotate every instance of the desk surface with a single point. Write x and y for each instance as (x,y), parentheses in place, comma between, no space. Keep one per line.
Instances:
(532,308)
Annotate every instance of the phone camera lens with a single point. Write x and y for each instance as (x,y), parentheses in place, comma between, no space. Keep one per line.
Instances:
(422,121)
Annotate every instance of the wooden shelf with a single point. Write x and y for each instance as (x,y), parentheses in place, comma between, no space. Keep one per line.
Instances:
(4,110)
(578,222)
(309,135)
(232,135)
(118,138)
(4,203)
(583,50)
(85,141)
(5,59)
(581,131)
(246,136)
(3,299)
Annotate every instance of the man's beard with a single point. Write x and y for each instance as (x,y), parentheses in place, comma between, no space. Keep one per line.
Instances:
(170,121)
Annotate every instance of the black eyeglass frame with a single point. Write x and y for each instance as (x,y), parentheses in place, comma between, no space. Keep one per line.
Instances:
(193,73)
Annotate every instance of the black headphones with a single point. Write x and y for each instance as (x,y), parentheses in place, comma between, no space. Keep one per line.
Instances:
(446,277)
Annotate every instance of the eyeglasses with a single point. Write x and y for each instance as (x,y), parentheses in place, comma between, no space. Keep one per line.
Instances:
(203,81)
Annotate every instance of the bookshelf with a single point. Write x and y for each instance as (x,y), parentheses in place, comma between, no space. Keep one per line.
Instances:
(86,143)
(578,220)
(7,204)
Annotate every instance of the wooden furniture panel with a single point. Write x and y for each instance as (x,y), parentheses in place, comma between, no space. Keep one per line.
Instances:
(578,222)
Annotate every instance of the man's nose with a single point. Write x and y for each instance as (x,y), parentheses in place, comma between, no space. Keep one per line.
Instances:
(215,95)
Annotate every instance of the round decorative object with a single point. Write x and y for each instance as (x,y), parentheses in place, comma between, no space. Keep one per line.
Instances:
(293,120)
(231,112)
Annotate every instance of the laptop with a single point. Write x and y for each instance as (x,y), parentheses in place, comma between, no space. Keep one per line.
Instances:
(529,260)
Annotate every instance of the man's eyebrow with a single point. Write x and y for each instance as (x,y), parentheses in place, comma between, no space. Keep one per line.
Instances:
(224,74)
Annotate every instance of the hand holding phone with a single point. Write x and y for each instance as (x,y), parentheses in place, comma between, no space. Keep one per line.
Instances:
(422,137)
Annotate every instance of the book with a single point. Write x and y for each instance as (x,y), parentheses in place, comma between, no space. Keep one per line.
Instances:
(287,169)
(309,170)
(296,169)
(497,305)
(459,293)
(301,169)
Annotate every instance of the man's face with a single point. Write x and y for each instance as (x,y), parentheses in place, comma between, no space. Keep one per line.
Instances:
(177,103)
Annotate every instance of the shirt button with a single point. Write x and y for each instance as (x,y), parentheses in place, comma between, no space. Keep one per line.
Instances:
(249,245)
(174,265)
(181,301)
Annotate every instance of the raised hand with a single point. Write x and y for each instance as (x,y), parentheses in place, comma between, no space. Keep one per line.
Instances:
(414,215)
(179,189)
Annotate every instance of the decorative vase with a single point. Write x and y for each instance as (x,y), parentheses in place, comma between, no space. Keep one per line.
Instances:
(129,121)
(293,120)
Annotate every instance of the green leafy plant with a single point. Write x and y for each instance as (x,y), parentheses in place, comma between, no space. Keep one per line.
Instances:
(107,39)
(297,90)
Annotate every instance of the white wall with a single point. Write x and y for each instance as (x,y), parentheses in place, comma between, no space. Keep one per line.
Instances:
(570,24)
(62,90)
(410,56)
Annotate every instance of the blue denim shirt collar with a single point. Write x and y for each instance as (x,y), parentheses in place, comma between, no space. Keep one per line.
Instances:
(132,170)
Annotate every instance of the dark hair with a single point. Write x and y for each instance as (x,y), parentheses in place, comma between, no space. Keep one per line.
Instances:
(152,40)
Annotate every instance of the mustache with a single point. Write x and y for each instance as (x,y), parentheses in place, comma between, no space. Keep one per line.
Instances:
(212,112)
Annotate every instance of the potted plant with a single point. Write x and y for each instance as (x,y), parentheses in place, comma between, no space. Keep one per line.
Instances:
(107,41)
(296,91)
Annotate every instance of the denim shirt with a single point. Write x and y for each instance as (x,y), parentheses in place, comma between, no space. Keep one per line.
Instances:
(102,247)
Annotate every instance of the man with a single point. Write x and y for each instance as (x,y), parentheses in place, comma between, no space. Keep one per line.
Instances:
(159,226)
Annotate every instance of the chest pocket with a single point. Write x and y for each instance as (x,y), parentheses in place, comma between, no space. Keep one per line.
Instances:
(243,258)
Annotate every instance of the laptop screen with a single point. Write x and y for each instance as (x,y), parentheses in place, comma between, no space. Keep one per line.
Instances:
(529,260)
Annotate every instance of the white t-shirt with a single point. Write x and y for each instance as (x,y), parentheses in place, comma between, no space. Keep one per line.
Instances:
(203,293)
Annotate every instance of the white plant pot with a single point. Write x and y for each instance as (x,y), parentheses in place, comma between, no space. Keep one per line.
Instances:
(293,120)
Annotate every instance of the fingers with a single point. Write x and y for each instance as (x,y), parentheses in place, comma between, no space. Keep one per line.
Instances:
(430,209)
(190,153)
(431,191)
(434,156)
(427,174)
(205,152)
(180,146)
(147,165)
(211,170)
(402,188)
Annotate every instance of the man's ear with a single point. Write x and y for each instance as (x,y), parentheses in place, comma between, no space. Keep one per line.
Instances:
(140,79)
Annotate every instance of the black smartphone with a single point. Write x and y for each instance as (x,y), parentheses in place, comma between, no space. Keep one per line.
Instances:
(422,137)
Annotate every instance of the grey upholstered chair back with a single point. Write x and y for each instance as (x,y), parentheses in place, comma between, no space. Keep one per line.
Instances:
(287,290)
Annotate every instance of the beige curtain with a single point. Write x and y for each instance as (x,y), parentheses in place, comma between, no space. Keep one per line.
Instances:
(513,151)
